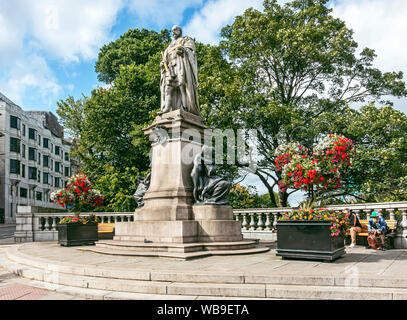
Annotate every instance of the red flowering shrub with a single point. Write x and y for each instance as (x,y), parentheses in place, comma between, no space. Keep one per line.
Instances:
(78,194)
(322,168)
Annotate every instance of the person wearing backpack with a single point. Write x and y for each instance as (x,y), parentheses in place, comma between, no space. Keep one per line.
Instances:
(377,228)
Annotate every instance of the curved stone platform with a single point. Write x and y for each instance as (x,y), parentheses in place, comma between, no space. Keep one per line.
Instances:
(361,274)
(182,251)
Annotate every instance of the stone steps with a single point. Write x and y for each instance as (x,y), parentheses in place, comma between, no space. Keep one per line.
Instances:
(183,251)
(181,247)
(176,255)
(121,283)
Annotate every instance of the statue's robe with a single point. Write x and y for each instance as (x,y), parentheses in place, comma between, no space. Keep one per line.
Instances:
(185,67)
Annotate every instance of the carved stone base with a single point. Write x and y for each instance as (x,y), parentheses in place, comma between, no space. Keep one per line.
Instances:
(213,231)
(157,231)
(212,212)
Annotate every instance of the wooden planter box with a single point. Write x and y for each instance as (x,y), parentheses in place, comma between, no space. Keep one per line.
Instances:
(308,240)
(77,234)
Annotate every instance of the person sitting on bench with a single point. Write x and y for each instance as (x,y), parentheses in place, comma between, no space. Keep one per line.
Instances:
(377,228)
(355,226)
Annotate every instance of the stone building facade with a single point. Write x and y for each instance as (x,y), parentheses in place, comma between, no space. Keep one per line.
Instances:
(34,159)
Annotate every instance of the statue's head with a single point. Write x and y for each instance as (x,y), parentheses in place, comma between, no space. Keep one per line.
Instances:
(176,31)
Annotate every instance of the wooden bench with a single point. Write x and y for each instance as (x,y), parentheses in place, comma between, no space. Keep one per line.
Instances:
(105,230)
(392,224)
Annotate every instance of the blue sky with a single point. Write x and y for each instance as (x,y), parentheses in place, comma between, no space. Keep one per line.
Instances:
(48,48)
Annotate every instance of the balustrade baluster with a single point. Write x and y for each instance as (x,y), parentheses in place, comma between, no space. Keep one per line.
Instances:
(54,224)
(252,223)
(46,226)
(391,214)
(260,224)
(404,220)
(268,223)
(244,224)
(275,221)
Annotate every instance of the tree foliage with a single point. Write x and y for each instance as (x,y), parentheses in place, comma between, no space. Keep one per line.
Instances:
(282,71)
(293,63)
(242,197)
(379,169)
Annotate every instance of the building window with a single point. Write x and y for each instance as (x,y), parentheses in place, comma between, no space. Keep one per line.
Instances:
(39,158)
(38,196)
(23,130)
(23,150)
(39,140)
(66,171)
(14,166)
(45,178)
(23,170)
(32,154)
(57,149)
(57,182)
(45,161)
(45,143)
(15,122)
(14,145)
(32,173)
(66,156)
(23,192)
(39,176)
(32,134)
(57,166)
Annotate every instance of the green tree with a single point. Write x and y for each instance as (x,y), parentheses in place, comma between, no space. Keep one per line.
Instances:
(107,125)
(293,63)
(242,197)
(134,46)
(118,188)
(379,169)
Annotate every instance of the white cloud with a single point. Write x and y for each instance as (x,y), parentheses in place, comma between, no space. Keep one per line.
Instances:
(34,32)
(72,29)
(206,24)
(380,25)
(32,75)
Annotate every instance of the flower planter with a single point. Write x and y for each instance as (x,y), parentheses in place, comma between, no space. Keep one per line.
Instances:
(308,240)
(77,234)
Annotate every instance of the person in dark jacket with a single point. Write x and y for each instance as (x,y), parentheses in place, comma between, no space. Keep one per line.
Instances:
(377,226)
(355,226)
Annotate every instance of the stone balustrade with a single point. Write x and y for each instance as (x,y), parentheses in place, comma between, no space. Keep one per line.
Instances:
(261,223)
(33,225)
(258,223)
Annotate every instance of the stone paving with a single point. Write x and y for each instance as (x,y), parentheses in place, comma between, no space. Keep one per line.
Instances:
(369,264)
(13,287)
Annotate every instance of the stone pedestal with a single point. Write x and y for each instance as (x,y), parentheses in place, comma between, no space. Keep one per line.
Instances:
(169,196)
(169,224)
